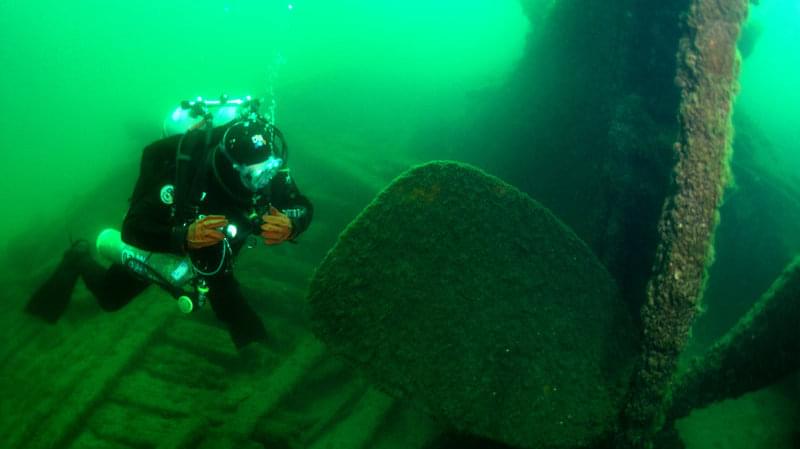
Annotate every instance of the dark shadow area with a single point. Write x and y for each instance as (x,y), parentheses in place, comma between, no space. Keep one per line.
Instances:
(586,124)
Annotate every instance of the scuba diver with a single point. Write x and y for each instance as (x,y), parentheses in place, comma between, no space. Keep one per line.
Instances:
(200,197)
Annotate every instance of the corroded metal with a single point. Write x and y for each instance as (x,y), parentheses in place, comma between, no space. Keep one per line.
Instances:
(707,74)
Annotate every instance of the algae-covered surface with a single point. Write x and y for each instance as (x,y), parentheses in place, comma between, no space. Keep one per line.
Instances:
(455,290)
(708,68)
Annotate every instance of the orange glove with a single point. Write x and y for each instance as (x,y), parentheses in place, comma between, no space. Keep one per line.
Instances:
(206,231)
(277,228)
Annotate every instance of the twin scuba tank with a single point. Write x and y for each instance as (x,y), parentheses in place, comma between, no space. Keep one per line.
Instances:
(176,274)
(192,114)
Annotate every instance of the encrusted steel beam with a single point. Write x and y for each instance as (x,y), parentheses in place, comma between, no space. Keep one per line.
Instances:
(707,76)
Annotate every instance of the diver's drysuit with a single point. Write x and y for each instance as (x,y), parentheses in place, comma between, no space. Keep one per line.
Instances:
(155,222)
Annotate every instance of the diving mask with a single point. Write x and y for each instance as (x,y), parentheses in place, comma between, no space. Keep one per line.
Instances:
(257,176)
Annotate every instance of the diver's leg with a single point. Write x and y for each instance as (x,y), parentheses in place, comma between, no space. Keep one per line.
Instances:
(231,308)
(50,300)
(114,287)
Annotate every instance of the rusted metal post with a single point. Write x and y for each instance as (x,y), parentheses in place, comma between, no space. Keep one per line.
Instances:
(707,77)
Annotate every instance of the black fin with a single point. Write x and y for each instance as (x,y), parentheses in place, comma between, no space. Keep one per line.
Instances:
(50,300)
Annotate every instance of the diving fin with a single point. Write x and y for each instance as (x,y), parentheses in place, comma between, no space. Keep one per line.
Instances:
(50,300)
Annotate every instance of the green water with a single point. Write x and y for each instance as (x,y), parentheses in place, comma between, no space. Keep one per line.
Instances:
(94,81)
(571,101)
(769,86)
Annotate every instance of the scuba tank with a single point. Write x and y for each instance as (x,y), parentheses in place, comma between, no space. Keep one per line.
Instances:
(199,113)
(192,114)
(171,272)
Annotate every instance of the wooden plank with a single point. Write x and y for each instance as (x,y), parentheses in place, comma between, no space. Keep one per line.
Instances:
(335,406)
(140,389)
(57,418)
(358,428)
(203,339)
(328,393)
(171,364)
(252,398)
(127,425)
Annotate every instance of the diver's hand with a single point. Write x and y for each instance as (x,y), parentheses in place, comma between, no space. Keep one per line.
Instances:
(206,231)
(277,228)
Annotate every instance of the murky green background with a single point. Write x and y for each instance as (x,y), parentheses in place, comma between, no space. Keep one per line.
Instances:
(367,88)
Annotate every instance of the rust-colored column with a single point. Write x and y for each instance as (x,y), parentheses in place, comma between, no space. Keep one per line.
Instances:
(706,75)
